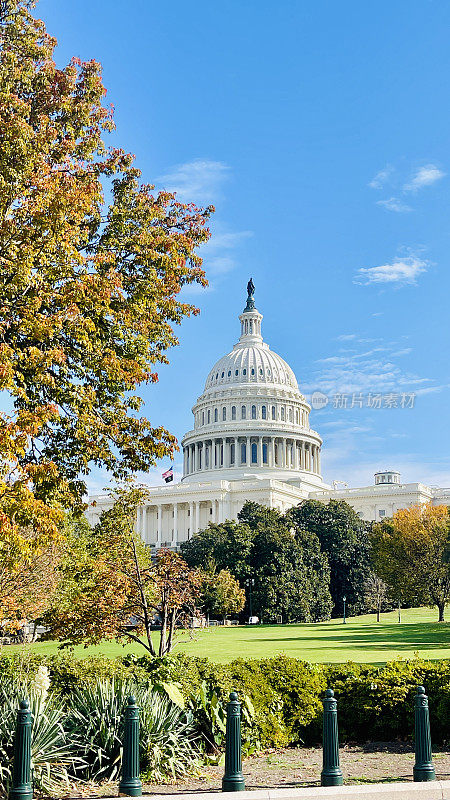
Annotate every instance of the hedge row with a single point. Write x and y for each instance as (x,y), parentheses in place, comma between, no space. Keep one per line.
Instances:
(285,692)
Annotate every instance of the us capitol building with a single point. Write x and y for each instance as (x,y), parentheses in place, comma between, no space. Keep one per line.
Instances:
(252,440)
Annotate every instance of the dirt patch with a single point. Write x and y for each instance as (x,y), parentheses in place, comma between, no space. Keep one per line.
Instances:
(375,762)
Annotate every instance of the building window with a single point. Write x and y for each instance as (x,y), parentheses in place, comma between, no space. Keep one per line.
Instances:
(264,453)
(382,512)
(254,453)
(251,326)
(209,417)
(207,457)
(200,458)
(223,374)
(274,412)
(253,412)
(283,413)
(243,453)
(233,412)
(236,372)
(210,510)
(276,453)
(290,415)
(216,415)
(224,413)
(229,373)
(232,454)
(221,455)
(244,372)
(203,417)
(253,370)
(263,412)
(296,416)
(243,412)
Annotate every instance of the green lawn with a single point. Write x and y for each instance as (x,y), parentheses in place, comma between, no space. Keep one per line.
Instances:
(361,639)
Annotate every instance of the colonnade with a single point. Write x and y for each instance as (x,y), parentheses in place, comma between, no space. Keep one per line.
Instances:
(281,452)
(176,521)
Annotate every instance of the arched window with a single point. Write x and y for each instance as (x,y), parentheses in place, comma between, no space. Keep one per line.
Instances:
(243,453)
(290,415)
(232,454)
(296,416)
(223,374)
(253,412)
(264,453)
(229,373)
(236,372)
(203,417)
(274,412)
(233,412)
(254,453)
(263,412)
(244,372)
(243,412)
(216,415)
(224,413)
(283,413)
(209,416)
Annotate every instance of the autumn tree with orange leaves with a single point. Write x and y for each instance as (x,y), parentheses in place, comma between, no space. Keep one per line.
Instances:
(89,291)
(110,587)
(411,553)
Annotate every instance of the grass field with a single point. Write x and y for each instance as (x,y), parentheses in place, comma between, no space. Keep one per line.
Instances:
(361,639)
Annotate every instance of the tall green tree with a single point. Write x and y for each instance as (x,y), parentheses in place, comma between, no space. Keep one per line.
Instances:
(343,536)
(290,577)
(89,289)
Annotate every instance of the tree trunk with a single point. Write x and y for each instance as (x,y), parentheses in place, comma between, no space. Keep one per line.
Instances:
(378,611)
(441,607)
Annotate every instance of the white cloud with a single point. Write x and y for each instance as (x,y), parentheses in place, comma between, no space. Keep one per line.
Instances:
(400,271)
(197,181)
(424,176)
(374,370)
(394,204)
(382,177)
(219,257)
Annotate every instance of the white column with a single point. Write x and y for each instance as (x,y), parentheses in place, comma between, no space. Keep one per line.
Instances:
(184,461)
(220,511)
(159,535)
(175,524)
(191,520)
(318,462)
(302,456)
(195,519)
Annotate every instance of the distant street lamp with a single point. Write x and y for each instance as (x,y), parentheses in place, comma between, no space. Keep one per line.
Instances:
(344,620)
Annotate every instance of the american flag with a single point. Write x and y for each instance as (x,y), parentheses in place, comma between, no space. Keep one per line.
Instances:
(168,476)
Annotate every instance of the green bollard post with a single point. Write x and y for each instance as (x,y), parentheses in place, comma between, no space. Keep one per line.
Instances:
(130,783)
(21,779)
(233,780)
(331,774)
(423,767)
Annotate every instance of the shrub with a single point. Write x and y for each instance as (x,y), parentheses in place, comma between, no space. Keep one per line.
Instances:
(168,746)
(54,755)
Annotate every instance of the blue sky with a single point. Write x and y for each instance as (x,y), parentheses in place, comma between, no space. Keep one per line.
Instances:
(320,131)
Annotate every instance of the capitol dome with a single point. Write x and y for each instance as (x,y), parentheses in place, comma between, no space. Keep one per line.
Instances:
(252,419)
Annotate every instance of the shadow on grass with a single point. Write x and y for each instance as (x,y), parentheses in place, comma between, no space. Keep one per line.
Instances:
(423,635)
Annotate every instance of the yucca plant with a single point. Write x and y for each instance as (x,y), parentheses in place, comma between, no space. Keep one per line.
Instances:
(167,740)
(54,757)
